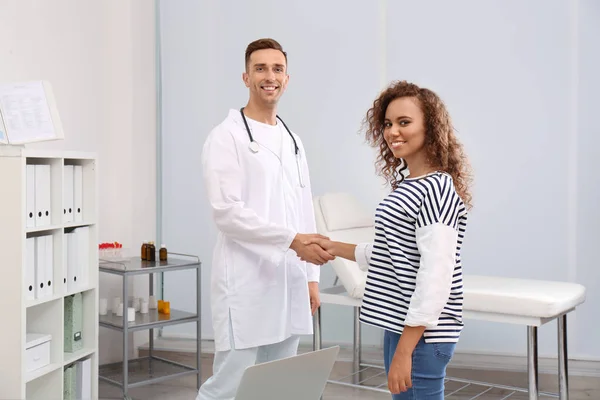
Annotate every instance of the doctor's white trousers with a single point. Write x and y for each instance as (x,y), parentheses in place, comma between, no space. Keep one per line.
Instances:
(229,366)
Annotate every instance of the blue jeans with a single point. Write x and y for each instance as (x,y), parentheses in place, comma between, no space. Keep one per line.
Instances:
(429,361)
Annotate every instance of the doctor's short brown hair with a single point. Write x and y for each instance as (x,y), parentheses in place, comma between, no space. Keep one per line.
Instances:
(262,44)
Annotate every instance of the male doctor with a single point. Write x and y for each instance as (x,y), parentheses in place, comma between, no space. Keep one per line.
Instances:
(255,171)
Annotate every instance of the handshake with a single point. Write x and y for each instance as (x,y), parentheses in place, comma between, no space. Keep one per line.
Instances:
(314,248)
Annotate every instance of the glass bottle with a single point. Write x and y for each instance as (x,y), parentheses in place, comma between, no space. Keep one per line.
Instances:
(163,253)
(144,250)
(151,252)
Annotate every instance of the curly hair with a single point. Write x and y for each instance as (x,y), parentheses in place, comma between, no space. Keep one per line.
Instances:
(443,150)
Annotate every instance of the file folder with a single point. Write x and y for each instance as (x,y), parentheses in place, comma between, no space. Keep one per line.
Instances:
(30,268)
(84,380)
(68,194)
(78,193)
(73,323)
(69,386)
(82,235)
(40,267)
(49,265)
(30,196)
(72,264)
(42,195)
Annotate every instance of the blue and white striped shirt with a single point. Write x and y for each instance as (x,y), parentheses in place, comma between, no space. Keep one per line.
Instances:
(414,265)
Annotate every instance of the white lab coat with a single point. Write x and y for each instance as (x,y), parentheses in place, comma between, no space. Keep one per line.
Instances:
(258,206)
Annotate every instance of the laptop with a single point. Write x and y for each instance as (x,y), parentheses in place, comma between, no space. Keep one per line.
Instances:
(302,377)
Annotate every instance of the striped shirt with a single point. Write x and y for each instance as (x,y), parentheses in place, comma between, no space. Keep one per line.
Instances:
(414,265)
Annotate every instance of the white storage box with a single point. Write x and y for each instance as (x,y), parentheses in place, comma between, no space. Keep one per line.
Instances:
(37,351)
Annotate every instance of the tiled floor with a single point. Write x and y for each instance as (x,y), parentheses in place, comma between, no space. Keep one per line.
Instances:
(185,388)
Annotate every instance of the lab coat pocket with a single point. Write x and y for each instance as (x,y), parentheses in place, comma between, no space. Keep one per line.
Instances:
(251,273)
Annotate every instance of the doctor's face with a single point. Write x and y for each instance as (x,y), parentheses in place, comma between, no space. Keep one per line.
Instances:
(266,76)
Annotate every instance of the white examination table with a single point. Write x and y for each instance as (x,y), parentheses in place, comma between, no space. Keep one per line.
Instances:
(531,303)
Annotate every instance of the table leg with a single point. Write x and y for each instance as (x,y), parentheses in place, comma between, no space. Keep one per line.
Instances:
(125,337)
(199,327)
(357,350)
(563,359)
(150,331)
(532,362)
(317,339)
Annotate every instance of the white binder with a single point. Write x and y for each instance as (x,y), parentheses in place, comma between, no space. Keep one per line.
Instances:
(49,265)
(30,196)
(40,267)
(68,194)
(82,235)
(42,195)
(30,268)
(63,284)
(78,193)
(84,380)
(72,264)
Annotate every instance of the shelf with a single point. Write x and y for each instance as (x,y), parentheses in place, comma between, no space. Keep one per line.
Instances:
(35,374)
(144,371)
(136,266)
(37,302)
(43,228)
(69,225)
(70,358)
(81,290)
(27,238)
(148,321)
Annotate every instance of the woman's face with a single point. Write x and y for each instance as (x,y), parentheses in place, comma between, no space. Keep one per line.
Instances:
(404,128)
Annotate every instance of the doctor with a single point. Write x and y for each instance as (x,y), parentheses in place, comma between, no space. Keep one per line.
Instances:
(257,179)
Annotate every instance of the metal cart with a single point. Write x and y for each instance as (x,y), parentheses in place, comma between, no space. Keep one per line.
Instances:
(132,373)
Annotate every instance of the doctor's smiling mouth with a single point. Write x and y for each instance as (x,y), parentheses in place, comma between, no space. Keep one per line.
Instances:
(270,87)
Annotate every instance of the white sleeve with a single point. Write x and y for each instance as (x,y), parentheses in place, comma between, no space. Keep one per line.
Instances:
(313,272)
(437,246)
(223,180)
(362,254)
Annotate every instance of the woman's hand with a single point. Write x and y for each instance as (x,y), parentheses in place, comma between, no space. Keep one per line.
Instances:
(326,244)
(400,373)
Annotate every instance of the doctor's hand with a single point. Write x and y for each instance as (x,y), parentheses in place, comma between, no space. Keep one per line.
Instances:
(328,245)
(311,253)
(336,249)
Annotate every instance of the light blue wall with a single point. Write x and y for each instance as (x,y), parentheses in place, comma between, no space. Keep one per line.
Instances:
(518,78)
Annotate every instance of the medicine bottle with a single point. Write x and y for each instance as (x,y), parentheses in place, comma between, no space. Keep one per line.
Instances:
(151,252)
(163,253)
(144,250)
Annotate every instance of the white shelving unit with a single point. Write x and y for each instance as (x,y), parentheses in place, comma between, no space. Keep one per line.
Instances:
(24,312)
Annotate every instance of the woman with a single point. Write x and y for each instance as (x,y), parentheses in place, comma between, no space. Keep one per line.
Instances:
(414,281)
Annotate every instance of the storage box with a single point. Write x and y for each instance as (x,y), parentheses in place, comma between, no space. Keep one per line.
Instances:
(73,319)
(37,351)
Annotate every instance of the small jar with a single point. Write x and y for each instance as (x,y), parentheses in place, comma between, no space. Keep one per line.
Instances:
(144,250)
(162,254)
(151,252)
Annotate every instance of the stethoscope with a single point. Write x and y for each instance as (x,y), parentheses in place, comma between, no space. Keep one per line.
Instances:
(254,147)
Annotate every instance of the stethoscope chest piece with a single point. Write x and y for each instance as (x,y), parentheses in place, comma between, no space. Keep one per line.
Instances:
(253,147)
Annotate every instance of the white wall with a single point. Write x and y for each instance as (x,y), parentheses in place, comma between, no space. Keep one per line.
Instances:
(99,57)
(514,84)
